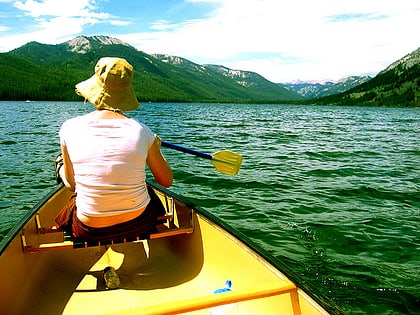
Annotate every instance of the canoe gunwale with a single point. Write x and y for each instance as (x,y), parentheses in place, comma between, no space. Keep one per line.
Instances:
(17,228)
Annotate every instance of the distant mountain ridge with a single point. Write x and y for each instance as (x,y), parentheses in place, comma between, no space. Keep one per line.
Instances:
(244,78)
(397,85)
(405,63)
(49,72)
(53,70)
(311,89)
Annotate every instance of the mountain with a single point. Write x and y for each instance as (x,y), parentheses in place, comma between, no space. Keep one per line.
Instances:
(49,72)
(311,89)
(405,63)
(83,44)
(397,85)
(247,79)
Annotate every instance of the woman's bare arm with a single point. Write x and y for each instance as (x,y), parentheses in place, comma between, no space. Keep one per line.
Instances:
(158,165)
(67,172)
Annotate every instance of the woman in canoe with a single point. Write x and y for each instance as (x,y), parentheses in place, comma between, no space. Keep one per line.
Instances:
(104,157)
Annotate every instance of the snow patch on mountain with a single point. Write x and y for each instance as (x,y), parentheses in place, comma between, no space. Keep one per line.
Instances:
(84,44)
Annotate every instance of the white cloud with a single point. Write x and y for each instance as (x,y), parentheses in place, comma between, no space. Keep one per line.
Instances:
(300,39)
(328,39)
(50,31)
(163,25)
(79,8)
(209,1)
(119,22)
(54,21)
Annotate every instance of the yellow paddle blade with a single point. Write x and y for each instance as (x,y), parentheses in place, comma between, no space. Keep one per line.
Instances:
(227,162)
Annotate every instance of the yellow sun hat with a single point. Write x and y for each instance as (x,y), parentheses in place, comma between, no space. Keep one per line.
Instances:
(111,85)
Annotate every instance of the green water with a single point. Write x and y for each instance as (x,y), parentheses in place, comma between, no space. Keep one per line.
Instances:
(332,192)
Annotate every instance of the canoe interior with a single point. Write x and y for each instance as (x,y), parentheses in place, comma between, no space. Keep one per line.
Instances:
(174,274)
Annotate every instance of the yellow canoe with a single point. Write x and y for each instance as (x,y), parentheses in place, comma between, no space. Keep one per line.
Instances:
(177,270)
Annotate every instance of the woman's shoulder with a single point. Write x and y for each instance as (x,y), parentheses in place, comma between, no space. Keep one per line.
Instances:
(75,124)
(142,128)
(75,120)
(70,121)
(138,123)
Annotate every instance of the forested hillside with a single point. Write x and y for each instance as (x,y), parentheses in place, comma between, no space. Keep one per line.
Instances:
(398,85)
(49,72)
(22,79)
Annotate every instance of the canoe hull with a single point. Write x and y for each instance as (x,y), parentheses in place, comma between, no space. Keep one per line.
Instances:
(169,275)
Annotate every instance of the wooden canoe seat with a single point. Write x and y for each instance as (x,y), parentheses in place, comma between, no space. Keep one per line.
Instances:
(177,220)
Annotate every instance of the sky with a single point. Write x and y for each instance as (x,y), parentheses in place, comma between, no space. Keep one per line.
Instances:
(284,41)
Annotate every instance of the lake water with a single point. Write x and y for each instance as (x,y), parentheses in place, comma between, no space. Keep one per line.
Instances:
(332,192)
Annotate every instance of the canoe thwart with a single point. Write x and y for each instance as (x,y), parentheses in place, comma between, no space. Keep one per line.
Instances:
(44,230)
(177,220)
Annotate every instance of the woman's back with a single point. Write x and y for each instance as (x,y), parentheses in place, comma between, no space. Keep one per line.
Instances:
(109,158)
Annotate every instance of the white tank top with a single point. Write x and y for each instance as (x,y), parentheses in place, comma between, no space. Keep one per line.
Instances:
(109,160)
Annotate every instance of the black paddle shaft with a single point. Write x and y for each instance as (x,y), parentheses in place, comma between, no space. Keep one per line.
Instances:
(186,150)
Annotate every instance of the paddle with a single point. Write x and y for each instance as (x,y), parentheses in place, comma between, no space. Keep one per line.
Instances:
(225,161)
